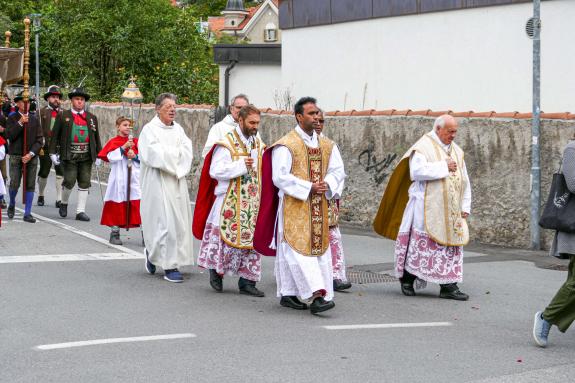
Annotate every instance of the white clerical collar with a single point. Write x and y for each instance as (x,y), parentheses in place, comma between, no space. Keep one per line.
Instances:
(229,119)
(80,112)
(247,141)
(309,140)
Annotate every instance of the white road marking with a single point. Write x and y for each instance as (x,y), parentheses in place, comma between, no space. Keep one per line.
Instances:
(87,235)
(94,342)
(387,325)
(66,257)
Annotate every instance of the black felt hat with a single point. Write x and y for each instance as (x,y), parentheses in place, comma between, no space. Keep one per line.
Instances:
(79,92)
(53,90)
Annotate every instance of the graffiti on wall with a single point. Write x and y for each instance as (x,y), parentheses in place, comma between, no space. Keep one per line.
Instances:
(378,168)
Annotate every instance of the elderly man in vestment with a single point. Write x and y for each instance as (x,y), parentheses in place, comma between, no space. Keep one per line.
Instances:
(424,209)
(300,173)
(218,132)
(227,206)
(165,154)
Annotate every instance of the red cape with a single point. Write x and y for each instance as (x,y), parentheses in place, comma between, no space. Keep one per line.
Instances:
(114,144)
(269,201)
(205,198)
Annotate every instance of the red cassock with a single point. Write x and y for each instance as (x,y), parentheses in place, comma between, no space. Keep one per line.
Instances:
(205,199)
(114,213)
(269,201)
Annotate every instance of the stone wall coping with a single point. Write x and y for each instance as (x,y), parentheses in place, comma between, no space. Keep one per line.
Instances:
(386,112)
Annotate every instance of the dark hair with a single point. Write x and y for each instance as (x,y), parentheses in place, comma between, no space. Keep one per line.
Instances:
(246,110)
(298,108)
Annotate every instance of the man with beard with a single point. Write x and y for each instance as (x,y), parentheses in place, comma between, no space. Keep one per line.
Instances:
(228,203)
(48,116)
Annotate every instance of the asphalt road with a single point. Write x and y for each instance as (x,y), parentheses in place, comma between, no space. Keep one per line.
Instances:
(60,282)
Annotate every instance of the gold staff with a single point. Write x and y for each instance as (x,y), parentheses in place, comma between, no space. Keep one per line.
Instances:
(26,97)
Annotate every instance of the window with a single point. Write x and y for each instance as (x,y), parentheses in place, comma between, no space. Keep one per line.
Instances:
(271,32)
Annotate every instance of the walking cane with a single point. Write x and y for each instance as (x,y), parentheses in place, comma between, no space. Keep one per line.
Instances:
(26,97)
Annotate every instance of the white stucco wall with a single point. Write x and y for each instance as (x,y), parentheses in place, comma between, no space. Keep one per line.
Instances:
(259,82)
(477,59)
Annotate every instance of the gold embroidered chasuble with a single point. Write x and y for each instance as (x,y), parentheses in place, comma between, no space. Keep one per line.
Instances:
(442,202)
(305,223)
(242,200)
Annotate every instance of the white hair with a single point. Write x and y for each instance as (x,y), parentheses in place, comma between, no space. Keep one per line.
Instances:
(439,123)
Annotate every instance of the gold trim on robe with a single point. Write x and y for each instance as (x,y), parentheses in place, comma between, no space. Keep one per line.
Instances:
(305,223)
(242,200)
(442,202)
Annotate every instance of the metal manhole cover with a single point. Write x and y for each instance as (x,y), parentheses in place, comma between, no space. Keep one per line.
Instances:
(363,277)
(556,267)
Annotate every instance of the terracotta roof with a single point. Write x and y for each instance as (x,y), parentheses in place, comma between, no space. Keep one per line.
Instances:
(217,23)
(388,112)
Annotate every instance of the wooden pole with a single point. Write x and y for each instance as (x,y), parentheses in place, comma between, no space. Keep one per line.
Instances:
(26,97)
(7,35)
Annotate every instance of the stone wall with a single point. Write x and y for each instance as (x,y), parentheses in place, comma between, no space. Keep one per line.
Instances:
(497,153)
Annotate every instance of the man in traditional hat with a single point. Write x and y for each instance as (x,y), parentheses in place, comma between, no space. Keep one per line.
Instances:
(424,209)
(21,155)
(75,143)
(48,116)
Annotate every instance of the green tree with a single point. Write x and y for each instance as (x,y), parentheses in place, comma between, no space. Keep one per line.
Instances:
(107,41)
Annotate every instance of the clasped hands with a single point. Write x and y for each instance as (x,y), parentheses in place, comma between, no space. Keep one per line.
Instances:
(319,187)
(451,165)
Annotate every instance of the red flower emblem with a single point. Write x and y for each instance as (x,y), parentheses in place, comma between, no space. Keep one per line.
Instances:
(228,214)
(253,190)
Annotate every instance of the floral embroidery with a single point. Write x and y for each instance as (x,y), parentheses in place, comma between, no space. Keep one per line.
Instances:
(315,170)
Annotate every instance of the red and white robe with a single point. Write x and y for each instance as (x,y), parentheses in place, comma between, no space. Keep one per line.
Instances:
(115,212)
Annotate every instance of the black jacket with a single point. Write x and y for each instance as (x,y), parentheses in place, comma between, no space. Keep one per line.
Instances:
(60,141)
(15,134)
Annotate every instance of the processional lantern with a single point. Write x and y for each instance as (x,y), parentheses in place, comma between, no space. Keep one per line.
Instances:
(132,103)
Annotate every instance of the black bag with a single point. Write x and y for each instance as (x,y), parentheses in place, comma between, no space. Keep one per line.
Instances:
(559,211)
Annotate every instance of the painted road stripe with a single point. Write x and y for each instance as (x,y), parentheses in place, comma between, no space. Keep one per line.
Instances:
(67,257)
(86,234)
(95,342)
(387,325)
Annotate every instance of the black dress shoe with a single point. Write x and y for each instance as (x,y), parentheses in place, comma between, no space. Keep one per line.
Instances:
(82,217)
(3,204)
(216,281)
(10,211)
(29,218)
(251,290)
(40,200)
(339,285)
(451,291)
(58,203)
(63,210)
(320,305)
(407,289)
(292,302)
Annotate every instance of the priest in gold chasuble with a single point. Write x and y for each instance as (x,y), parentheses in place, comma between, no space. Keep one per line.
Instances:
(300,173)
(424,209)
(227,205)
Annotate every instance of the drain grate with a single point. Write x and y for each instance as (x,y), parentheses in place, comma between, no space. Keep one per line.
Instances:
(364,277)
(556,267)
